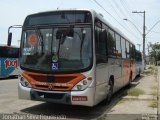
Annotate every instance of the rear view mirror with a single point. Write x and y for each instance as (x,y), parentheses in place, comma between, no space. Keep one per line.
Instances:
(9,39)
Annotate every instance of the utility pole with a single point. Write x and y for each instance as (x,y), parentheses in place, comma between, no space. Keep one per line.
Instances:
(144,34)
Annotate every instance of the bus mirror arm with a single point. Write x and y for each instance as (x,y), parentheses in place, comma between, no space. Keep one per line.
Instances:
(9,39)
(10,33)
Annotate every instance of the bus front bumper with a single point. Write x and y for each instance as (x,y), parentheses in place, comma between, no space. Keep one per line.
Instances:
(85,98)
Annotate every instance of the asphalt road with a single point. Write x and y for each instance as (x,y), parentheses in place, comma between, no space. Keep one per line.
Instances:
(9,103)
(120,108)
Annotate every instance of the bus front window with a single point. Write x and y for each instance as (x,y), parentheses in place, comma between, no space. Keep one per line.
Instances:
(56,49)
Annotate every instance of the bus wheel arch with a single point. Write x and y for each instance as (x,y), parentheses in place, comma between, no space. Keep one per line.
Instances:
(108,97)
(110,90)
(111,79)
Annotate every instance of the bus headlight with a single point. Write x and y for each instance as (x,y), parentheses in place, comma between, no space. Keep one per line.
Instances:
(24,82)
(82,85)
(84,82)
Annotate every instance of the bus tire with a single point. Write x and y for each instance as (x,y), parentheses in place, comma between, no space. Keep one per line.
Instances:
(110,92)
(108,98)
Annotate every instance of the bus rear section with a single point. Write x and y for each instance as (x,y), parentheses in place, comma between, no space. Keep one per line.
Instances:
(139,68)
(9,61)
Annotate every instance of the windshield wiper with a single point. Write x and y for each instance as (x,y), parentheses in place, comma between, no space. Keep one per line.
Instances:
(40,37)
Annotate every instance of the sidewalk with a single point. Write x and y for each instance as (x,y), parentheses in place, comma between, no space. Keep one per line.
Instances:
(138,102)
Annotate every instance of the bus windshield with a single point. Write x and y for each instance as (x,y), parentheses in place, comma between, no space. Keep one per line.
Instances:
(56,48)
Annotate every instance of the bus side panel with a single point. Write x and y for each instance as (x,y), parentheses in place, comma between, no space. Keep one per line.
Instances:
(101,82)
(117,73)
(126,71)
(8,66)
(133,68)
(103,74)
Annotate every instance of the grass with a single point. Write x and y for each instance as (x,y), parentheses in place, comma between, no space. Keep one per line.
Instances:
(150,67)
(152,70)
(153,104)
(154,90)
(156,71)
(135,92)
(149,72)
(121,101)
(154,87)
(154,93)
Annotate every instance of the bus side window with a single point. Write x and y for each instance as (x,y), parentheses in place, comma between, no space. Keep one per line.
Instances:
(123,46)
(118,46)
(111,43)
(132,51)
(127,50)
(100,43)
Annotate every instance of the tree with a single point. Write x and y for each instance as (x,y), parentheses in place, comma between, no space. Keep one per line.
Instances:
(155,51)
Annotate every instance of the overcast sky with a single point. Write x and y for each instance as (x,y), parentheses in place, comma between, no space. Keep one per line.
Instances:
(13,12)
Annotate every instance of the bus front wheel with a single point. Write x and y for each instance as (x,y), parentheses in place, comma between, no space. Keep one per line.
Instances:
(108,98)
(110,91)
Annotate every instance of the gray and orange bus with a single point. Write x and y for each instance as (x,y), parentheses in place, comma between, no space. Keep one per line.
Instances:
(73,57)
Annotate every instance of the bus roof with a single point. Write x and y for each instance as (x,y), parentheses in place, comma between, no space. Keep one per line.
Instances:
(98,15)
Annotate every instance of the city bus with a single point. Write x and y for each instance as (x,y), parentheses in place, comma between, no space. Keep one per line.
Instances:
(73,57)
(9,61)
(139,68)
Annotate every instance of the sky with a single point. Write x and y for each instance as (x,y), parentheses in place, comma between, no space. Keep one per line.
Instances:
(13,12)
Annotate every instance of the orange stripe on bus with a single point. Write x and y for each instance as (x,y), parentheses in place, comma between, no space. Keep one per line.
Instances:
(61,82)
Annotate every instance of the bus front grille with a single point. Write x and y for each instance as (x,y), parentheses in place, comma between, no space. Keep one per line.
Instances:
(57,82)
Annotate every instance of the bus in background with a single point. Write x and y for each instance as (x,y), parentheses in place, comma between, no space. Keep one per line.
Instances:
(73,57)
(139,66)
(9,61)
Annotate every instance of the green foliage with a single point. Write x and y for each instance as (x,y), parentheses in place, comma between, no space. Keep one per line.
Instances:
(153,104)
(150,71)
(135,92)
(155,51)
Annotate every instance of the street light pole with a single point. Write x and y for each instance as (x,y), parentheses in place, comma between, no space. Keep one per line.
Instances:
(144,34)
(133,25)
